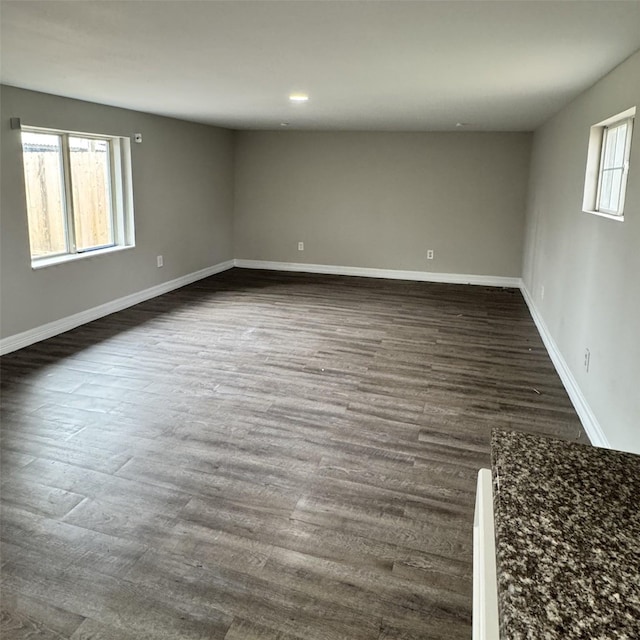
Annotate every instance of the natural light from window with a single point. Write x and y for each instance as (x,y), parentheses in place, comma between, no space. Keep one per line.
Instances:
(78,191)
(608,166)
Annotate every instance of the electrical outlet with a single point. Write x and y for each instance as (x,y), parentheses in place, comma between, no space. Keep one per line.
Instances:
(587,359)
(160,261)
(429,254)
(300,246)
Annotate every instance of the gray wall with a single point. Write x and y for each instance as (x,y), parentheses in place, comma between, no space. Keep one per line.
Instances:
(183,198)
(382,199)
(589,265)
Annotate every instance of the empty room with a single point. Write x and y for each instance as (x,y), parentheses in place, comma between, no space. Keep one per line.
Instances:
(319,319)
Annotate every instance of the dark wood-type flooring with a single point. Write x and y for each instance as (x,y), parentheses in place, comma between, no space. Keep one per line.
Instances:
(263,455)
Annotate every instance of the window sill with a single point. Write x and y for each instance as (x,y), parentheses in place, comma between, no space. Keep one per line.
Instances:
(43,263)
(611,216)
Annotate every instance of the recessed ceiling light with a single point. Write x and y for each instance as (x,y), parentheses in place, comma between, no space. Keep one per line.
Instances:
(298,97)
(462,124)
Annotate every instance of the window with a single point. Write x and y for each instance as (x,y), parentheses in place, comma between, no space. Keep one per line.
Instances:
(608,166)
(79,196)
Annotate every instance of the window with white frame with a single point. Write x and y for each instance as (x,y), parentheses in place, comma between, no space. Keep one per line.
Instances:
(79,194)
(608,165)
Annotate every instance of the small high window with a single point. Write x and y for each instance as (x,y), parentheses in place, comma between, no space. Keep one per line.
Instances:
(79,196)
(608,165)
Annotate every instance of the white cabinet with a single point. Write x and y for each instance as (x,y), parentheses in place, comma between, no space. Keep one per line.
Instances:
(485,583)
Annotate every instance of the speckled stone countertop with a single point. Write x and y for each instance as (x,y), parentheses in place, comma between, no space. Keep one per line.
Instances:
(567,520)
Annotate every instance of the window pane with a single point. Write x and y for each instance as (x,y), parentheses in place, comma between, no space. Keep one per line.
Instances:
(42,154)
(605,191)
(609,147)
(615,143)
(610,191)
(616,184)
(621,143)
(91,182)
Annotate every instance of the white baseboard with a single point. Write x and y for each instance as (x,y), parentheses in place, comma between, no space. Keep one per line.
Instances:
(391,274)
(24,339)
(586,415)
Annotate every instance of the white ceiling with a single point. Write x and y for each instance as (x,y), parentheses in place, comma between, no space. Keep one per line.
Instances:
(375,65)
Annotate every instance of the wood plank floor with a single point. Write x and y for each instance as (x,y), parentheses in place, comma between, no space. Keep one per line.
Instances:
(263,455)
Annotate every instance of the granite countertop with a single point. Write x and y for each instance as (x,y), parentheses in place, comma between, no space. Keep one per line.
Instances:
(567,521)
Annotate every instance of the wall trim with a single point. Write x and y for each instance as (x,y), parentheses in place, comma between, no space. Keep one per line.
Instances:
(25,338)
(391,274)
(586,415)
